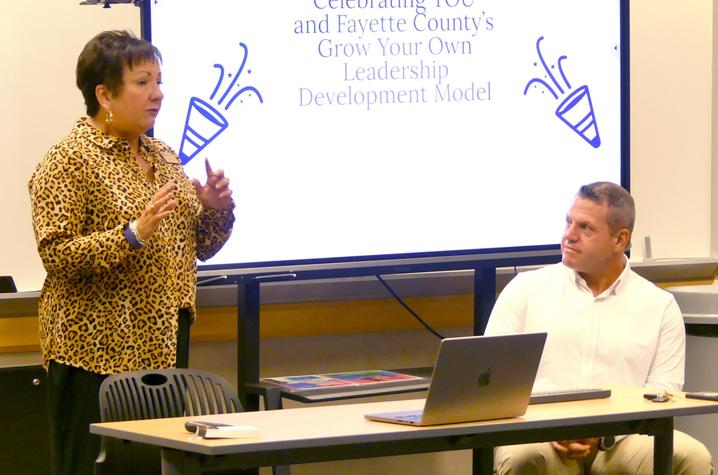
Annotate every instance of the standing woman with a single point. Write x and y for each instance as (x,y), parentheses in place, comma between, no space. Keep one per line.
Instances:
(119,227)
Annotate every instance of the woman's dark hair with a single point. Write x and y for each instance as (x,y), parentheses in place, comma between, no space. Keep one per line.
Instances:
(103,61)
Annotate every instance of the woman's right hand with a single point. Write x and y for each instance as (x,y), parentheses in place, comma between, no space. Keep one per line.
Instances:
(158,208)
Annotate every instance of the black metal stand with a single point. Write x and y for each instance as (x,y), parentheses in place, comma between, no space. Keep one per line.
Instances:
(484,299)
(248,342)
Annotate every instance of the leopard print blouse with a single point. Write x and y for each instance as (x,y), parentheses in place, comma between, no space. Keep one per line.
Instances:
(105,307)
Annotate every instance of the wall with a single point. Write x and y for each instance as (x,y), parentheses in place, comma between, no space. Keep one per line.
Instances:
(671,89)
(671,123)
(714,143)
(40,41)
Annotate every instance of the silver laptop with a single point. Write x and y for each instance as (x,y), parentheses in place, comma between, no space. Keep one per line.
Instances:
(477,378)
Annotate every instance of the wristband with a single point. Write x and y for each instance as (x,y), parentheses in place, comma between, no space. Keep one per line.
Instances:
(131,235)
(136,232)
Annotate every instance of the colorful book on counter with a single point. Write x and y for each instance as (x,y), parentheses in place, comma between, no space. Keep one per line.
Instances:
(332,380)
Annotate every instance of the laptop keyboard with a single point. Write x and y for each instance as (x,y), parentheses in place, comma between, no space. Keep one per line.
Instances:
(542,397)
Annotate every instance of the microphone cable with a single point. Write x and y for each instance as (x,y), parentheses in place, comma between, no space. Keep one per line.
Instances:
(403,304)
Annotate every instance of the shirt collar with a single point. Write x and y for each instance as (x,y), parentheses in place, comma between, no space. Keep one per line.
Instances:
(616,287)
(86,131)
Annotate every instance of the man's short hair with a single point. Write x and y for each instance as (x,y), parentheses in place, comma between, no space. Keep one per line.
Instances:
(621,212)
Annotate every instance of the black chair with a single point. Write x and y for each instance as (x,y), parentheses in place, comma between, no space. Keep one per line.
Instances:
(154,394)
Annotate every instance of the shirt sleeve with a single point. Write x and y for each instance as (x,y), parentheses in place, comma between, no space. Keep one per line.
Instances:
(668,369)
(214,229)
(58,203)
(509,313)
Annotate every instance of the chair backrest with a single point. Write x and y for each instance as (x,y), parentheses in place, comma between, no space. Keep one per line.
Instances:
(155,394)
(172,392)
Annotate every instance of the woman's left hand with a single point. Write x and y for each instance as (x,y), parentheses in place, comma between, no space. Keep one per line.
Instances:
(215,193)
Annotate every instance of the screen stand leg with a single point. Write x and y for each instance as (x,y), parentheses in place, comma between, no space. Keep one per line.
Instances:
(248,342)
(484,298)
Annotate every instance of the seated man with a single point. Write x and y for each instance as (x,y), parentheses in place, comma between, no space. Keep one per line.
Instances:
(606,325)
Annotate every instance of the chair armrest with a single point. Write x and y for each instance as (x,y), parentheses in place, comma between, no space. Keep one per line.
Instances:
(271,394)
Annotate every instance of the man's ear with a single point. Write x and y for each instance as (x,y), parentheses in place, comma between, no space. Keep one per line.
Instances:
(623,238)
(103,96)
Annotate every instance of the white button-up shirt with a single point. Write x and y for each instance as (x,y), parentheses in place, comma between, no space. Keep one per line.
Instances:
(631,334)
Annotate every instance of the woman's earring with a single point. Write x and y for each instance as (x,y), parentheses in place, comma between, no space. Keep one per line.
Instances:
(108,122)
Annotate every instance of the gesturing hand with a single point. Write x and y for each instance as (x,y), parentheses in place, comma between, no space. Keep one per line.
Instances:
(158,208)
(215,193)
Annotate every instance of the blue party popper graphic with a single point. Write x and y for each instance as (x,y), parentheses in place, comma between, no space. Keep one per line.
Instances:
(576,108)
(204,121)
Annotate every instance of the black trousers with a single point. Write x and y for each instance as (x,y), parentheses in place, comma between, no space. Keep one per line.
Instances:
(183,320)
(73,404)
